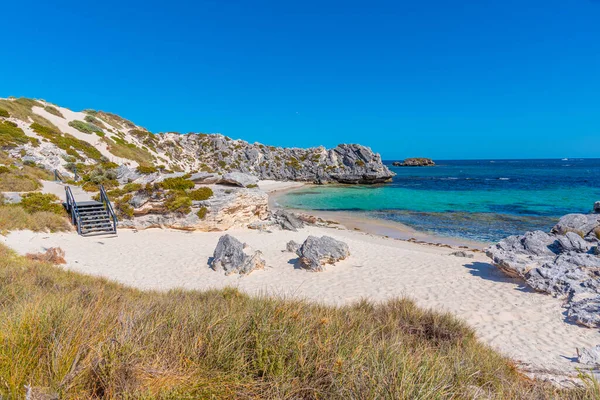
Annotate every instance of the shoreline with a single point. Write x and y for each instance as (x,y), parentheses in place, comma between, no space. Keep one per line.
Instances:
(523,325)
(358,221)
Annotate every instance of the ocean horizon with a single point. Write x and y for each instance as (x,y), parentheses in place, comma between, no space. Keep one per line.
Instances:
(482,200)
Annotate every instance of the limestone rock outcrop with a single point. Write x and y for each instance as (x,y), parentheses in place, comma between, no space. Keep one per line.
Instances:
(563,263)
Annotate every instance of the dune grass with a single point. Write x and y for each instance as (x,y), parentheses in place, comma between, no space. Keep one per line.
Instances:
(85,127)
(54,111)
(14,217)
(68,142)
(76,337)
(21,108)
(130,151)
(21,179)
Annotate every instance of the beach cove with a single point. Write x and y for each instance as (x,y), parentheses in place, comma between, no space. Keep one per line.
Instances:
(521,324)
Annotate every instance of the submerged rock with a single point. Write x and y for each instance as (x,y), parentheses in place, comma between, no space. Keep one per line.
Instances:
(316,252)
(231,256)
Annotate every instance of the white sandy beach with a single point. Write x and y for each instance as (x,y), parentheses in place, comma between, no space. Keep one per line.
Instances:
(527,326)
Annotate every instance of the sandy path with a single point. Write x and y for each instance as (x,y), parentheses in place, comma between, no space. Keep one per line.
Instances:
(527,326)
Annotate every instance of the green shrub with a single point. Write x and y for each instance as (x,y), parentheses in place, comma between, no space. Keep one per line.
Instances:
(128,188)
(36,202)
(130,151)
(202,212)
(12,136)
(4,169)
(252,186)
(4,113)
(21,109)
(67,142)
(203,193)
(114,120)
(124,209)
(54,111)
(94,121)
(178,203)
(146,169)
(85,127)
(177,183)
(29,102)
(360,163)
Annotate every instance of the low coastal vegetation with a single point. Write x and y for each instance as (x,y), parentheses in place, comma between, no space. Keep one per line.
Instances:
(12,136)
(72,336)
(130,151)
(70,144)
(24,178)
(54,111)
(85,127)
(36,212)
(22,108)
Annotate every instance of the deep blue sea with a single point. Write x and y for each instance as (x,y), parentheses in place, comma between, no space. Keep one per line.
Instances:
(483,200)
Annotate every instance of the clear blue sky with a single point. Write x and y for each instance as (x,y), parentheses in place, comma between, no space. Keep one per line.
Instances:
(435,78)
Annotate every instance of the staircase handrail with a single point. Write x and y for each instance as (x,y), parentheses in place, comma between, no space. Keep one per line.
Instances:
(104,199)
(72,208)
(58,176)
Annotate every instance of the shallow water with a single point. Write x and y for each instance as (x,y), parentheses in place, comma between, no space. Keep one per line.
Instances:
(482,200)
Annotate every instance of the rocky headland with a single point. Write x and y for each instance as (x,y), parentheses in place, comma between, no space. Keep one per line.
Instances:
(192,181)
(60,139)
(414,162)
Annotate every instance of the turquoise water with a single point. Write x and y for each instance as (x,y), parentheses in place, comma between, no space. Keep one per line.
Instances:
(483,200)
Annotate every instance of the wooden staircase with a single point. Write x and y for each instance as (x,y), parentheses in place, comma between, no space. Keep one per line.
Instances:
(91,217)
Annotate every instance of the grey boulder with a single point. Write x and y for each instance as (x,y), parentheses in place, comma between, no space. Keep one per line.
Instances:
(239,179)
(316,252)
(581,224)
(585,312)
(126,174)
(462,254)
(597,207)
(231,256)
(287,220)
(206,178)
(589,356)
(292,246)
(563,263)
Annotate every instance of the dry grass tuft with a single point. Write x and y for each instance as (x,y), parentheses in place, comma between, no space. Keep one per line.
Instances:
(53,255)
(14,217)
(82,337)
